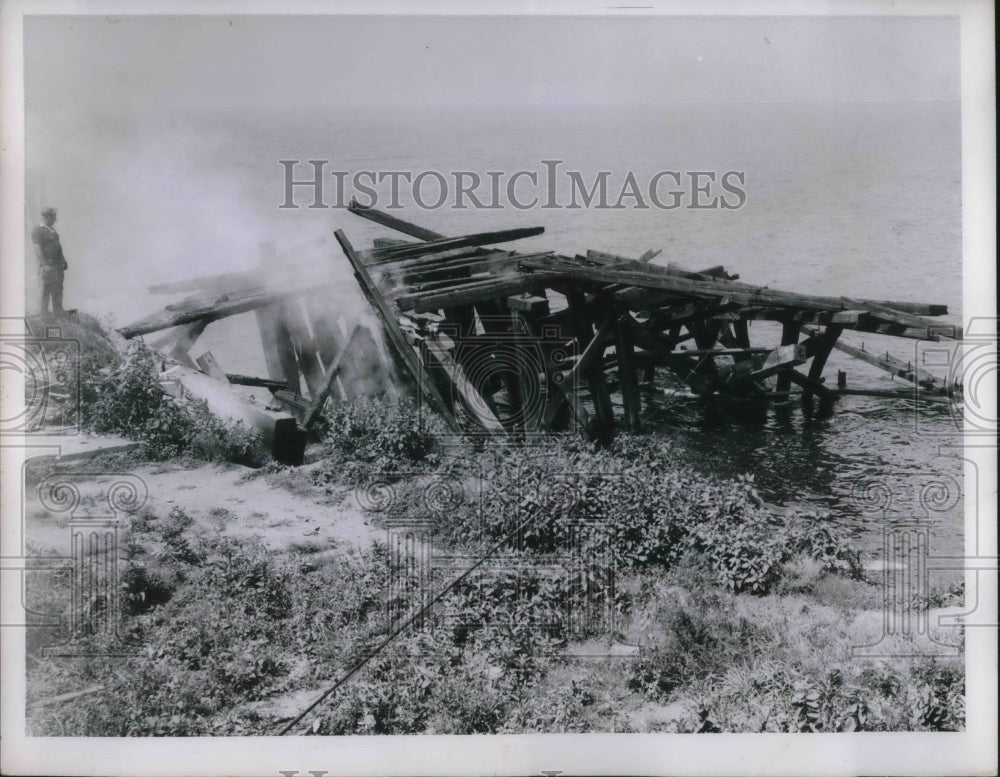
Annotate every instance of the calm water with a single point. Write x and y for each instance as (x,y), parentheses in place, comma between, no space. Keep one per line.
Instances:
(854,199)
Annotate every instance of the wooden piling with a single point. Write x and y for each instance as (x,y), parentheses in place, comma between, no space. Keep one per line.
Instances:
(824,345)
(789,336)
(627,375)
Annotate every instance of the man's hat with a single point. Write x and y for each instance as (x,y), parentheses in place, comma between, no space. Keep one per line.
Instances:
(48,211)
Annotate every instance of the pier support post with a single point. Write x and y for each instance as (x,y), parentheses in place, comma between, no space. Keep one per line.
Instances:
(627,375)
(789,336)
(824,345)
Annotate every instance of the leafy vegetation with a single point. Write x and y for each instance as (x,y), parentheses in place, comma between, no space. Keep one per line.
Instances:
(121,395)
(219,635)
(372,438)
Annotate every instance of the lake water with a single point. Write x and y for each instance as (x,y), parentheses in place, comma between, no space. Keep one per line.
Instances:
(855,199)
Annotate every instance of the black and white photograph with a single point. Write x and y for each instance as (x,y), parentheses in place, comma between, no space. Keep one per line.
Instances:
(428,389)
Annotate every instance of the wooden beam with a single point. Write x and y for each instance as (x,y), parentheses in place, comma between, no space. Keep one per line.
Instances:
(305,344)
(377,263)
(207,364)
(890,312)
(285,348)
(180,341)
(781,358)
(824,345)
(789,336)
(809,386)
(892,365)
(448,243)
(529,303)
(296,404)
(526,384)
(319,399)
(279,430)
(392,222)
(329,340)
(567,382)
(250,380)
(267,327)
(472,400)
(652,277)
(395,335)
(627,375)
(471,293)
(213,308)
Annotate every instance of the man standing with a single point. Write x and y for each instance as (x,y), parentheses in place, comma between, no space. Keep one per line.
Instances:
(51,262)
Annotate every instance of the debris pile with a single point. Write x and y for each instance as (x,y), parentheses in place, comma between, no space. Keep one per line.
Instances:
(519,343)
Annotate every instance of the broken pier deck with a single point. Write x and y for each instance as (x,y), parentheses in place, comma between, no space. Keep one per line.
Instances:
(504,342)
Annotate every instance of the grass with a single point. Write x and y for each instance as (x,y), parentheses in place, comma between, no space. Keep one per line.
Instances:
(745,619)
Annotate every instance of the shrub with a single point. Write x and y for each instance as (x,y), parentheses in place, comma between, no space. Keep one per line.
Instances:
(125,398)
(373,437)
(626,508)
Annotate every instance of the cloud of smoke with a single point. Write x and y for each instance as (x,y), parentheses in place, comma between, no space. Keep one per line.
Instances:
(162,202)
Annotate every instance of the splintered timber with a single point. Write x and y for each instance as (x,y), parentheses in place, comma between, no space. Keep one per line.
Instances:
(507,343)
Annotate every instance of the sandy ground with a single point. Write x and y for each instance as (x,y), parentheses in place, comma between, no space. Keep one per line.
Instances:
(222,498)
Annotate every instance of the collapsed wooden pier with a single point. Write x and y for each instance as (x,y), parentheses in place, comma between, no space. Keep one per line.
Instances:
(501,342)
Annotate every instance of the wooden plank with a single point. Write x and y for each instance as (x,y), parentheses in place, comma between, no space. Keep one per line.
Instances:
(210,309)
(379,217)
(887,312)
(377,263)
(250,380)
(285,348)
(583,330)
(652,277)
(526,385)
(809,386)
(824,345)
(329,341)
(706,334)
(471,293)
(207,363)
(305,344)
(463,241)
(267,327)
(666,282)
(789,336)
(627,375)
(65,697)
(180,341)
(529,303)
(781,358)
(296,404)
(319,399)
(280,431)
(892,365)
(568,384)
(472,400)
(396,338)
(908,394)
(462,267)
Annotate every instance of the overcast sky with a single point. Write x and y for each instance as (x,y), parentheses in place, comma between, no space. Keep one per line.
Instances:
(164,65)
